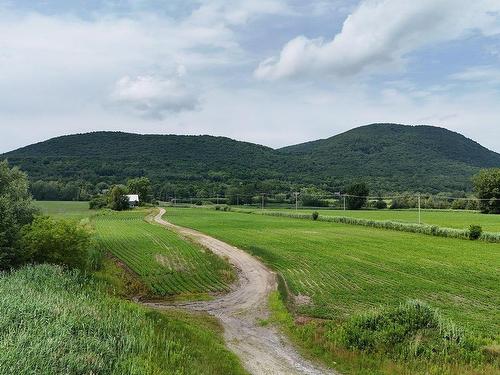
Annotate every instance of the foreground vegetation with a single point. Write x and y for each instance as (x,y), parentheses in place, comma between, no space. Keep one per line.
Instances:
(341,273)
(58,322)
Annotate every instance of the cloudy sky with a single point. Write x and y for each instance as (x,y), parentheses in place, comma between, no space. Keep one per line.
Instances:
(274,72)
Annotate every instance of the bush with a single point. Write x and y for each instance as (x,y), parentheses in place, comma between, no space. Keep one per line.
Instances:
(56,241)
(315,215)
(380,204)
(98,202)
(475,232)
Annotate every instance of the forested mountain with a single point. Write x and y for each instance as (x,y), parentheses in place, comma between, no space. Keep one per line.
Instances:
(398,157)
(388,157)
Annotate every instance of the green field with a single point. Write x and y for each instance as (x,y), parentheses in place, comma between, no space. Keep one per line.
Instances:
(346,269)
(167,263)
(58,322)
(75,210)
(442,218)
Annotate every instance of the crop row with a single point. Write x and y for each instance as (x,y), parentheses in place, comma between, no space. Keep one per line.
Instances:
(165,262)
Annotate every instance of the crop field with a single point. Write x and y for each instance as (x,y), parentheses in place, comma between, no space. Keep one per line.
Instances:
(167,263)
(339,270)
(442,218)
(75,210)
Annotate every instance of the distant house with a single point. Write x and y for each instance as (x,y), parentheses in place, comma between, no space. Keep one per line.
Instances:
(133,200)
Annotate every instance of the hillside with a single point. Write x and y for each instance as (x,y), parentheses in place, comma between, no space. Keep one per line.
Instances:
(389,157)
(423,157)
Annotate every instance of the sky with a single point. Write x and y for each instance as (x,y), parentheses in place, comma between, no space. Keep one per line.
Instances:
(273,72)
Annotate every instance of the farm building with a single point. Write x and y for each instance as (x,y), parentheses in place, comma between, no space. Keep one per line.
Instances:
(133,200)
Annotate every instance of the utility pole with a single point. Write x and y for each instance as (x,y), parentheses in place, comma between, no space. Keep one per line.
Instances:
(217,198)
(262,201)
(237,199)
(296,200)
(344,202)
(419,213)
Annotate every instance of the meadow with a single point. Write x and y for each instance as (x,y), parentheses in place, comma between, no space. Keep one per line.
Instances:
(165,262)
(67,209)
(443,218)
(59,322)
(340,270)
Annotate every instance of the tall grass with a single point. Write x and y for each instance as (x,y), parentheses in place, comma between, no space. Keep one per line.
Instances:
(59,322)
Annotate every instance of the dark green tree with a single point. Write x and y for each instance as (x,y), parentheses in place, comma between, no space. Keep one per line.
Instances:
(487,186)
(142,187)
(357,195)
(118,200)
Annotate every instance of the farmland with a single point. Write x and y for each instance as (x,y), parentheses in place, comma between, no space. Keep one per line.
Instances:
(442,218)
(167,263)
(346,269)
(75,210)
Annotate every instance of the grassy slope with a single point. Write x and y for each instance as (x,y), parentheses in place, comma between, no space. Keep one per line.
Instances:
(54,322)
(447,219)
(348,269)
(167,263)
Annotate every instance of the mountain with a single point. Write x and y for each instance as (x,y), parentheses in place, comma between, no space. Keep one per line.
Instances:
(389,157)
(398,157)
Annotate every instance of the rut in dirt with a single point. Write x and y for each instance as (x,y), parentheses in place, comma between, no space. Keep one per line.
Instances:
(262,350)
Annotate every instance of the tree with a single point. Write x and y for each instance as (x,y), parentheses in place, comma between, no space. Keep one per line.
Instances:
(487,186)
(142,187)
(16,210)
(357,195)
(118,200)
(56,241)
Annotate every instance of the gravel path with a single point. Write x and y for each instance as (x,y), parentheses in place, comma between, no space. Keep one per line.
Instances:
(262,349)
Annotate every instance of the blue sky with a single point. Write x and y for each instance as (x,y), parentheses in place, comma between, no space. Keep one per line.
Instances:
(274,72)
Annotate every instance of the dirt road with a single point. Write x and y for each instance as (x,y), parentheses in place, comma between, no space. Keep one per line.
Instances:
(262,349)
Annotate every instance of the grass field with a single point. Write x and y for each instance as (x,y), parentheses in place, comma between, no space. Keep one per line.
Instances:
(75,210)
(442,218)
(58,322)
(167,263)
(346,269)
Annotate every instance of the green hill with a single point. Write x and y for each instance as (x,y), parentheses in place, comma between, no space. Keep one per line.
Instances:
(389,157)
(398,157)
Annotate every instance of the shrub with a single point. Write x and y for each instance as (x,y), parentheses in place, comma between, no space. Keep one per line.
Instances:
(475,232)
(98,202)
(380,204)
(315,215)
(56,241)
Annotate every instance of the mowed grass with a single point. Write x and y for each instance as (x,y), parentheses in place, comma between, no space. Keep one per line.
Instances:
(442,218)
(67,209)
(58,322)
(348,269)
(165,262)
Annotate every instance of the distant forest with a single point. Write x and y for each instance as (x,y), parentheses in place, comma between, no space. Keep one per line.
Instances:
(388,157)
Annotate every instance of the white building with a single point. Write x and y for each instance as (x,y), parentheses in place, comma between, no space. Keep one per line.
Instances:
(133,200)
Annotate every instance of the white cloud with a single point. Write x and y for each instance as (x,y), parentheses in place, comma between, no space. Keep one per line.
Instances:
(479,74)
(153,97)
(380,33)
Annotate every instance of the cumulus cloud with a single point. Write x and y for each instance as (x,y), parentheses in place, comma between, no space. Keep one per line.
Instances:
(153,97)
(380,33)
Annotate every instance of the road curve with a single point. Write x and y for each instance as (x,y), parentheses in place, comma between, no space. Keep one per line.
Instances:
(262,349)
